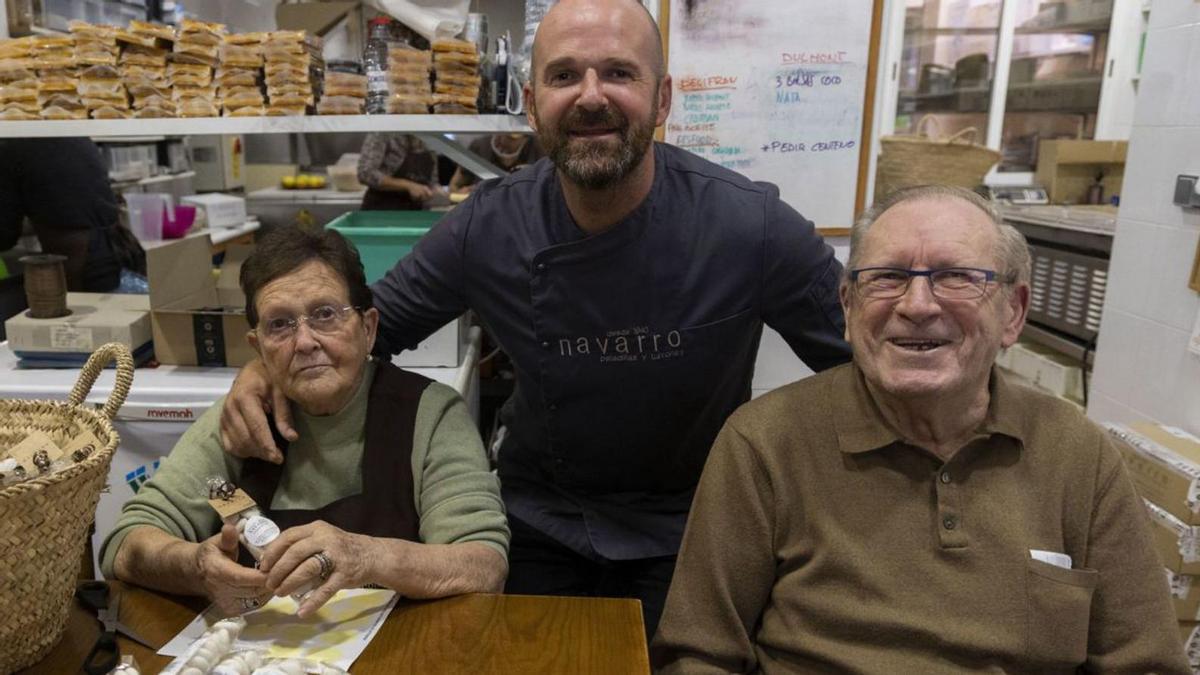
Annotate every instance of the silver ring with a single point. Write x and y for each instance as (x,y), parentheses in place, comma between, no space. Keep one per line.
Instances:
(249,603)
(326,564)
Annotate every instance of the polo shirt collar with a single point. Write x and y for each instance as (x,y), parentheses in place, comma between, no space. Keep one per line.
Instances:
(860,425)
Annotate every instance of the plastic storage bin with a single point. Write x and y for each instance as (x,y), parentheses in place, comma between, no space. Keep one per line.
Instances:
(383,237)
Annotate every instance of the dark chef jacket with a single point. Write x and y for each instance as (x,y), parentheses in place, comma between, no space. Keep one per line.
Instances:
(632,346)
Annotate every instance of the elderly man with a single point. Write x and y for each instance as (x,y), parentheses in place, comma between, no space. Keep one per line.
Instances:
(915,511)
(629,282)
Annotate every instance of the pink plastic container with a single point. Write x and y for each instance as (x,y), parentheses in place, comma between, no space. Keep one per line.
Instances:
(174,228)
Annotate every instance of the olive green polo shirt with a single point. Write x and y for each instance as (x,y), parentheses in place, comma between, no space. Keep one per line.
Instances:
(819,540)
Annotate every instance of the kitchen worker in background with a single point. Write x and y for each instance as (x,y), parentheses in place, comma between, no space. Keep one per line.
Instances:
(61,186)
(915,511)
(510,152)
(629,282)
(399,171)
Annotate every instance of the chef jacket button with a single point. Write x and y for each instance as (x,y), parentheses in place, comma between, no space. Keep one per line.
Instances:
(553,407)
(541,267)
(545,344)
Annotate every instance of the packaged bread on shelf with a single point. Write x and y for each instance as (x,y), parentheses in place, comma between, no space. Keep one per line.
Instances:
(110,113)
(16,48)
(155,112)
(64,108)
(54,52)
(241,97)
(195,107)
(237,77)
(137,55)
(201,32)
(444,104)
(134,76)
(442,45)
(345,84)
(408,104)
(340,105)
(96,32)
(56,81)
(245,38)
(100,81)
(241,56)
(146,34)
(279,110)
(246,111)
(182,91)
(15,113)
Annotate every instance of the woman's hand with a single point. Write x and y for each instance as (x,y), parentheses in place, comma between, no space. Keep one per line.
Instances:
(234,589)
(418,192)
(291,562)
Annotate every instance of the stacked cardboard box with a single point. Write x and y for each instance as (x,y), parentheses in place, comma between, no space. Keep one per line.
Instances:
(239,77)
(1164,463)
(294,71)
(409,91)
(456,75)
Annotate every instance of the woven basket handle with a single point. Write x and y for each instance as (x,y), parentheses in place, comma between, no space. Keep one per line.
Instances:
(922,131)
(962,135)
(113,351)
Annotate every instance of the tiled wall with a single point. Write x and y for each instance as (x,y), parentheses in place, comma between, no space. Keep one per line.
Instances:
(1143,368)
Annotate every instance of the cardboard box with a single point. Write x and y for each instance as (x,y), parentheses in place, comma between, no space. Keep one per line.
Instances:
(1185,594)
(1067,168)
(95,319)
(1178,545)
(1164,463)
(197,320)
(1191,641)
(219,210)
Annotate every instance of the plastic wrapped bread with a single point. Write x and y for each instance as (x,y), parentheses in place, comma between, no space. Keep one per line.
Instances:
(201,32)
(276,110)
(155,112)
(408,104)
(138,55)
(195,107)
(156,30)
(241,56)
(110,113)
(53,81)
(345,84)
(241,97)
(442,45)
(17,48)
(16,113)
(236,77)
(340,105)
(245,38)
(246,111)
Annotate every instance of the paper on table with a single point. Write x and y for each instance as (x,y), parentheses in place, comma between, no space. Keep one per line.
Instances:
(335,635)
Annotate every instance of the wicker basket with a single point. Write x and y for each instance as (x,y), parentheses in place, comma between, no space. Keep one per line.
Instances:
(920,159)
(44,521)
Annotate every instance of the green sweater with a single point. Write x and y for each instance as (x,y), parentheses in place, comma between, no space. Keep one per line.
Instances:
(457,497)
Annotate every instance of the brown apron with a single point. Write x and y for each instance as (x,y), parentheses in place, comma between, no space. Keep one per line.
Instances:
(385,507)
(417,167)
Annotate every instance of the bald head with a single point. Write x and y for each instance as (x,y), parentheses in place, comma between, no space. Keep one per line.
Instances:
(579,16)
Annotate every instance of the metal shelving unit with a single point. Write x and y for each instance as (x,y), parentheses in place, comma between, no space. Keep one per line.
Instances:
(434,130)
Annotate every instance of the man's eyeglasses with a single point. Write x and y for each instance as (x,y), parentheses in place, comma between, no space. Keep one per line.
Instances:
(948,283)
(326,319)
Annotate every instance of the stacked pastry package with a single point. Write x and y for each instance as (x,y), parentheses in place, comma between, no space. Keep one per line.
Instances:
(409,92)
(294,71)
(239,77)
(456,77)
(63,91)
(142,66)
(190,68)
(344,92)
(18,80)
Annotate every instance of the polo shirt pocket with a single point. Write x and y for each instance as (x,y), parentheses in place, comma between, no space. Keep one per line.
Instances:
(1059,606)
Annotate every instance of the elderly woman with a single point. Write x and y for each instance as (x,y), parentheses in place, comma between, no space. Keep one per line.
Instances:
(387,484)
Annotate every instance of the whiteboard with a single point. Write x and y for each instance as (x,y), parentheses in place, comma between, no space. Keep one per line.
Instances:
(775,90)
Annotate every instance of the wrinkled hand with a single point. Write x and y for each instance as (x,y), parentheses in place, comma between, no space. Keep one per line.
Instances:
(226,582)
(289,563)
(419,193)
(244,428)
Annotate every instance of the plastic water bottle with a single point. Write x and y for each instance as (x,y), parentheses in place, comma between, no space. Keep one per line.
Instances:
(375,61)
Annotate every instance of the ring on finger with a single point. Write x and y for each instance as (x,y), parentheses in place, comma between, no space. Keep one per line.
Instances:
(250,603)
(326,564)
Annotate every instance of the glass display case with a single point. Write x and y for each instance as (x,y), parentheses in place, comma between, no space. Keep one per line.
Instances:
(1018,71)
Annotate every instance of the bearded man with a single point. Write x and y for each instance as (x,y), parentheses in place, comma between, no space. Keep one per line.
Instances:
(629,282)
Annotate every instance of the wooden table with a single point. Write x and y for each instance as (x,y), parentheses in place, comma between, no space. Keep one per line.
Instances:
(476,634)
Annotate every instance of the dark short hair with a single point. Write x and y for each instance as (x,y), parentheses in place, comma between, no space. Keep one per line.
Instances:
(282,250)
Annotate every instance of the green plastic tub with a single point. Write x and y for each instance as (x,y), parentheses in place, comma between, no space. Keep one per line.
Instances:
(383,237)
